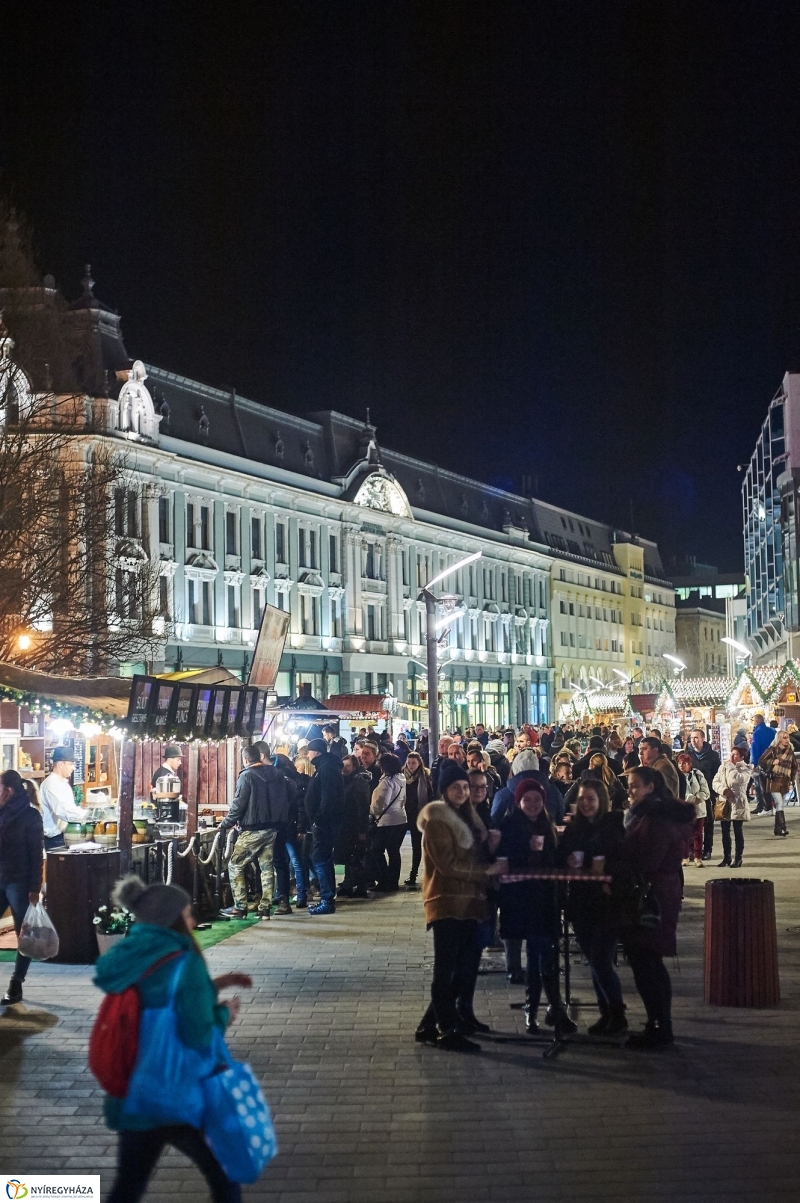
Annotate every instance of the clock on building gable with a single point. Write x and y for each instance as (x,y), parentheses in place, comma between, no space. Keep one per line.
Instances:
(379,491)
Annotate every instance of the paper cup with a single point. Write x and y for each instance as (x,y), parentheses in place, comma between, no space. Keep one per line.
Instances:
(537,843)
(502,861)
(598,864)
(576,859)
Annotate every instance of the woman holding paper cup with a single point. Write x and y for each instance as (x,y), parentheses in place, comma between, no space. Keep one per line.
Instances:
(591,843)
(529,909)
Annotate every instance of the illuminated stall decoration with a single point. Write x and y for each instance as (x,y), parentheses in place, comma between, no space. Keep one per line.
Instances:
(694,692)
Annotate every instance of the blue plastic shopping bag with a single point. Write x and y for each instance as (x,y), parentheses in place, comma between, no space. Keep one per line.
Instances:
(166,1083)
(236,1121)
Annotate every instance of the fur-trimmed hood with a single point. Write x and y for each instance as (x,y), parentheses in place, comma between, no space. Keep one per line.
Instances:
(441,812)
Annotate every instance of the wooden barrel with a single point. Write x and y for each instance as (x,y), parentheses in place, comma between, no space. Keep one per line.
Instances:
(741,944)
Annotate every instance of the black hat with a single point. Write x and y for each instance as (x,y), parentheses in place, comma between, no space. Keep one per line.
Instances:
(317,745)
(62,754)
(451,771)
(172,751)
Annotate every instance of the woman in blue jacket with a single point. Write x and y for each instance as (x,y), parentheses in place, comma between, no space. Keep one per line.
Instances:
(147,958)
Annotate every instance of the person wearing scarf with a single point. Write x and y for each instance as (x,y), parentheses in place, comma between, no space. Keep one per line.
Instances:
(418,794)
(21,844)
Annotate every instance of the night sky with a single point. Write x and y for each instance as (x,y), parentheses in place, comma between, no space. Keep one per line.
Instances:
(557,239)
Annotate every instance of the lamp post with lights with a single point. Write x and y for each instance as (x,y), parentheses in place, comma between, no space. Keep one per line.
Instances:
(433,627)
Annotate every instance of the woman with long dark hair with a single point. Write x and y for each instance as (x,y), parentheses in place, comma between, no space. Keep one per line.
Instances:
(591,842)
(159,946)
(529,909)
(454,884)
(657,828)
(418,793)
(21,844)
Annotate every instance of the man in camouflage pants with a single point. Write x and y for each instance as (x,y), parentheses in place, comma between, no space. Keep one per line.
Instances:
(260,809)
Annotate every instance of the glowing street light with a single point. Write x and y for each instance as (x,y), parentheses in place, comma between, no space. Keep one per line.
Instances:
(451,617)
(679,665)
(736,645)
(432,643)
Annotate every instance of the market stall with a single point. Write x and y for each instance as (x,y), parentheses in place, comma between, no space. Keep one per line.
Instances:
(686,702)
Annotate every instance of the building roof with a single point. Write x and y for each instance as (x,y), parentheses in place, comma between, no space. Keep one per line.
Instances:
(325,448)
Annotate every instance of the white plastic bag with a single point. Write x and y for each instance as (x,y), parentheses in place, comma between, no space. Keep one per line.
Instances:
(38,939)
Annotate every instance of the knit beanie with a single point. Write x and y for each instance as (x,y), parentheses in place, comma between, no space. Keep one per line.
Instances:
(525,761)
(529,783)
(449,772)
(156,903)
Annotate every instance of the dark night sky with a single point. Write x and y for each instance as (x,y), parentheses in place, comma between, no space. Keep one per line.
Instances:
(560,239)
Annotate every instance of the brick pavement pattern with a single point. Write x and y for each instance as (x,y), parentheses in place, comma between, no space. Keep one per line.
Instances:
(365,1115)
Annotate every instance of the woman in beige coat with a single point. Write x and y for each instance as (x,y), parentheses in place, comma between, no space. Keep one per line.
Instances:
(454,883)
(730,785)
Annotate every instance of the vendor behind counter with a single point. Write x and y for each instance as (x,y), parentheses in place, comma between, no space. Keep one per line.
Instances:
(173,759)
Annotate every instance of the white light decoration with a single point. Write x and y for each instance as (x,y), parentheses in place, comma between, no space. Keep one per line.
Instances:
(382,492)
(89,730)
(60,727)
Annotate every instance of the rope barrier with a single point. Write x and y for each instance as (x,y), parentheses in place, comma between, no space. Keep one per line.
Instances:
(590,877)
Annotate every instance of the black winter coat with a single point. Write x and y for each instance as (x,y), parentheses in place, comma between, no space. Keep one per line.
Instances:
(528,909)
(355,821)
(261,800)
(324,800)
(589,903)
(21,844)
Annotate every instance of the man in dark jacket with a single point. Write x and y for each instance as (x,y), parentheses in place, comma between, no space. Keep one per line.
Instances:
(324,803)
(596,744)
(260,808)
(351,842)
(707,761)
(21,843)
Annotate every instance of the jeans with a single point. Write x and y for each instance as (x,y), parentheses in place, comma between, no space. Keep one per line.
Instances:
(513,949)
(138,1152)
(738,835)
(289,851)
(654,986)
(416,847)
(389,840)
(322,860)
(455,970)
(15,896)
(542,971)
(778,799)
(698,834)
(599,947)
(53,842)
(708,832)
(250,846)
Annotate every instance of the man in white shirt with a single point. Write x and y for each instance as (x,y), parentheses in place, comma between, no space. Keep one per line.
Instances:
(58,801)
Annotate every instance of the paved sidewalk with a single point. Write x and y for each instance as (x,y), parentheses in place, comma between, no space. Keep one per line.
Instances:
(365,1115)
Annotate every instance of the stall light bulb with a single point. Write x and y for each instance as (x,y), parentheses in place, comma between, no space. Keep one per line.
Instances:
(60,727)
(89,730)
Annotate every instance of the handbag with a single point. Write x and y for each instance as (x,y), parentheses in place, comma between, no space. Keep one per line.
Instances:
(638,901)
(236,1123)
(166,1083)
(722,808)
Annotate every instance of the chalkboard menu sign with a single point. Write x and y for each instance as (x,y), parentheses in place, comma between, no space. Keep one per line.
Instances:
(202,711)
(247,712)
(139,705)
(232,717)
(182,718)
(79,752)
(261,707)
(216,728)
(160,708)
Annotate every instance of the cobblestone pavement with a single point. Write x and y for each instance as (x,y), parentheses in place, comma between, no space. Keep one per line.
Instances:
(365,1115)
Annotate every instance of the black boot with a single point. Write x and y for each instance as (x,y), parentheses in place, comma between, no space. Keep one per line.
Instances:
(469,1024)
(13,994)
(427,1032)
(651,1036)
(617,1022)
(532,1000)
(726,860)
(454,1041)
(737,864)
(597,1029)
(780,823)
(561,1021)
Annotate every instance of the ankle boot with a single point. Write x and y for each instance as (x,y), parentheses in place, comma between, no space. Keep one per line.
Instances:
(780,823)
(597,1029)
(737,863)
(13,994)
(617,1021)
(561,1021)
(726,860)
(532,1000)
(468,1022)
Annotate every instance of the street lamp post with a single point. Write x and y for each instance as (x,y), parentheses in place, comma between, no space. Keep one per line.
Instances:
(432,649)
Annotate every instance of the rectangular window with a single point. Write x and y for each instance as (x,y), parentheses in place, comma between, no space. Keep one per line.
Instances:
(280,542)
(207,610)
(258,607)
(333,554)
(564,640)
(280,601)
(571,639)
(230,533)
(191,600)
(256,545)
(163,596)
(369,571)
(562,605)
(133,513)
(301,548)
(572,608)
(119,512)
(205,528)
(233,606)
(372,624)
(312,549)
(163,520)
(190,526)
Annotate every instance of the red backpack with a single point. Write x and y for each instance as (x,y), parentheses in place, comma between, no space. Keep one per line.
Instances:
(114,1042)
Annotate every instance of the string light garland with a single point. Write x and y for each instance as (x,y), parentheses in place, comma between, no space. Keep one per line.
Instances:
(77,715)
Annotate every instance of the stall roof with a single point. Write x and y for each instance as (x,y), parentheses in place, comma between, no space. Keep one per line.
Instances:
(695,691)
(109,694)
(357,703)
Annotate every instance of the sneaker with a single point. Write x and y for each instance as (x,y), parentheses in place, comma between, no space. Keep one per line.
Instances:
(263,914)
(232,912)
(322,908)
